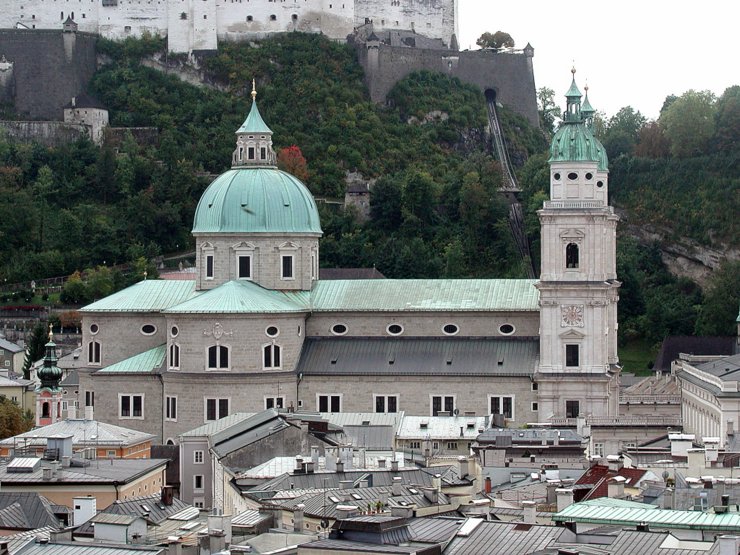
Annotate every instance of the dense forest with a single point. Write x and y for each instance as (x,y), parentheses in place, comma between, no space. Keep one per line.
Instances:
(434,211)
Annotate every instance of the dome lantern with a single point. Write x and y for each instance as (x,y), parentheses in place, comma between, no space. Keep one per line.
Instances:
(253,140)
(50,374)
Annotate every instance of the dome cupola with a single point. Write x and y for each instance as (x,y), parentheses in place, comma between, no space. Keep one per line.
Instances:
(50,374)
(253,140)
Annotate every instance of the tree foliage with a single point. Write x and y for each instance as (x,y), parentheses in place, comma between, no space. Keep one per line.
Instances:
(689,123)
(12,419)
(291,160)
(499,39)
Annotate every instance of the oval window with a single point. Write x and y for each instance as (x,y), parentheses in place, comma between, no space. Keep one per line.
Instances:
(94,329)
(339,329)
(572,176)
(395,329)
(506,329)
(450,329)
(174,331)
(556,177)
(148,329)
(599,183)
(589,175)
(272,331)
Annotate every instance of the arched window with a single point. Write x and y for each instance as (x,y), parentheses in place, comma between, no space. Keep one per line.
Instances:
(218,357)
(93,352)
(175,356)
(271,356)
(571,255)
(45,411)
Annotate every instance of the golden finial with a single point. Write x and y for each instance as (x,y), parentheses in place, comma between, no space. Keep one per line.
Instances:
(254,91)
(51,332)
(585,87)
(145,274)
(573,69)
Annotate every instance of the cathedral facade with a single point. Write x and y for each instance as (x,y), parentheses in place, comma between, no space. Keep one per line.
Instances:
(257,329)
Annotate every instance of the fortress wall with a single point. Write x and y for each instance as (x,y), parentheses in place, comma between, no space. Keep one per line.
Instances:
(49,68)
(49,133)
(49,14)
(434,18)
(510,75)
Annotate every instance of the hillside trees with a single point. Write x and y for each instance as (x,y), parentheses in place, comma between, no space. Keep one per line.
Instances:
(689,123)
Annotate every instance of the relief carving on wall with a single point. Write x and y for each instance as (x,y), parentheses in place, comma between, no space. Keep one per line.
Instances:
(572,316)
(217,331)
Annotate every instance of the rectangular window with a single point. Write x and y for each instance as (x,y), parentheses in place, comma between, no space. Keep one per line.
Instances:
(263,153)
(386,403)
(131,406)
(216,408)
(245,266)
(571,356)
(452,445)
(572,409)
(198,482)
(93,352)
(329,403)
(535,407)
(89,398)
(171,408)
(287,266)
(414,444)
(209,266)
(502,404)
(598,450)
(443,405)
(250,153)
(198,457)
(274,402)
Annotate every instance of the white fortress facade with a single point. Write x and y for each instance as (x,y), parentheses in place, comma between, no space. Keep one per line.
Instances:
(200,24)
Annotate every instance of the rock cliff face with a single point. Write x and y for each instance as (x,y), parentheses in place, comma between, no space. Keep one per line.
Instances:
(684,257)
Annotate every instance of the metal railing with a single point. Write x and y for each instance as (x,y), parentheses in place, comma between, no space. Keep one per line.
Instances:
(620,421)
(574,204)
(648,399)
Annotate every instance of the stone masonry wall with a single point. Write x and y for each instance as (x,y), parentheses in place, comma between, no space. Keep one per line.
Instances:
(48,133)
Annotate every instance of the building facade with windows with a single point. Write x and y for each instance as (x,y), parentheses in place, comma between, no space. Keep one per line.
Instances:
(256,328)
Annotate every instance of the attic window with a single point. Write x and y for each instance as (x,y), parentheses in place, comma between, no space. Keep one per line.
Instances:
(572,176)
(506,329)
(333,499)
(450,329)
(599,184)
(272,331)
(556,177)
(424,425)
(589,176)
(339,329)
(273,17)
(250,18)
(356,496)
(148,329)
(394,329)
(94,329)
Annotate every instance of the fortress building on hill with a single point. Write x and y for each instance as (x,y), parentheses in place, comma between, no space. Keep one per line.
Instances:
(200,24)
(256,328)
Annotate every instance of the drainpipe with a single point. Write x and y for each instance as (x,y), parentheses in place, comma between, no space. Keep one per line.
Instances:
(161,411)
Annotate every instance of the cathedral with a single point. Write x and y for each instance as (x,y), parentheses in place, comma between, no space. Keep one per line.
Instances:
(256,328)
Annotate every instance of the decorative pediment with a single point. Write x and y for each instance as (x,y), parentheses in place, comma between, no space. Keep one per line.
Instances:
(572,335)
(572,235)
(243,246)
(288,245)
(207,246)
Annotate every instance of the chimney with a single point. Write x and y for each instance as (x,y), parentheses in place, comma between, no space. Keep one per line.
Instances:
(364,483)
(564,498)
(299,464)
(615,463)
(381,463)
(397,486)
(394,465)
(309,467)
(66,460)
(216,540)
(315,454)
(487,485)
(530,512)
(432,494)
(166,495)
(730,428)
(346,511)
(463,466)
(89,413)
(340,467)
(363,461)
(174,547)
(46,473)
(330,454)
(668,501)
(551,488)
(437,482)
(72,412)
(615,487)
(298,518)
(84,509)
(403,512)
(729,545)
(346,484)
(74,101)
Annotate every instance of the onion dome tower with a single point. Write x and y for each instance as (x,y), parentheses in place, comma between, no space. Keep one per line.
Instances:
(255,222)
(48,393)
(578,372)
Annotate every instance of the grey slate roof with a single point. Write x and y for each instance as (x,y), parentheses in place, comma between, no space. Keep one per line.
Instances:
(26,510)
(76,548)
(433,530)
(106,472)
(629,542)
(216,426)
(71,379)
(327,546)
(726,369)
(419,356)
(674,345)
(9,346)
(83,432)
(518,539)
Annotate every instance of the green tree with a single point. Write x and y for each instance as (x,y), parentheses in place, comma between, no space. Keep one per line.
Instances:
(622,132)
(689,123)
(652,142)
(12,419)
(727,134)
(39,338)
(721,302)
(499,39)
(74,290)
(548,109)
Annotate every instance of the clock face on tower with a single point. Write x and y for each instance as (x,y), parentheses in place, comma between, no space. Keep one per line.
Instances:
(572,315)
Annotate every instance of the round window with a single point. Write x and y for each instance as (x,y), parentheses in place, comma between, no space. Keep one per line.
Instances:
(572,176)
(272,331)
(506,329)
(339,329)
(395,329)
(589,175)
(599,183)
(450,329)
(94,329)
(148,329)
(556,177)
(174,331)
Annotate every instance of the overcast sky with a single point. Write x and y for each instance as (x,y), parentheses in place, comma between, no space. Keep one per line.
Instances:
(633,53)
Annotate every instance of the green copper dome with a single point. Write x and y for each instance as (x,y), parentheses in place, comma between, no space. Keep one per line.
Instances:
(256,200)
(50,374)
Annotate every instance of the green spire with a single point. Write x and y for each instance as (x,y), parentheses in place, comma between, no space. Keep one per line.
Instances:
(573,91)
(50,374)
(254,122)
(573,105)
(586,108)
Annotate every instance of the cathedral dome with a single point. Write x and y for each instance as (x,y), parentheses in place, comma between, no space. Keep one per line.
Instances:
(256,200)
(254,196)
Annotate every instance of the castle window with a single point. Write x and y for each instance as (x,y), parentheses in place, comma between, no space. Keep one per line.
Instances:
(394,329)
(250,18)
(571,356)
(386,403)
(556,177)
(205,16)
(329,403)
(339,329)
(183,15)
(94,329)
(218,357)
(271,357)
(450,329)
(272,331)
(216,408)
(127,29)
(273,17)
(571,255)
(170,412)
(294,17)
(93,352)
(506,329)
(572,176)
(175,356)
(443,405)
(286,266)
(599,184)
(589,176)
(174,331)
(45,410)
(148,329)
(263,153)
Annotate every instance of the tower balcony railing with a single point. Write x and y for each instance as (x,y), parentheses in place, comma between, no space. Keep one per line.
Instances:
(649,399)
(573,204)
(621,421)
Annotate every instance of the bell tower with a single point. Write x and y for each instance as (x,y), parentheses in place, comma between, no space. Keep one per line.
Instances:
(578,373)
(48,393)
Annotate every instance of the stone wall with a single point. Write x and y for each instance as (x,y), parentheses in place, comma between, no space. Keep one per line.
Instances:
(49,133)
(510,75)
(49,68)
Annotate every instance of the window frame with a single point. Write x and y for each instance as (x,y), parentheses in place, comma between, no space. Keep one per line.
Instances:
(273,349)
(94,358)
(386,397)
(329,398)
(283,275)
(218,414)
(572,256)
(443,403)
(173,353)
(131,415)
(202,487)
(568,410)
(570,349)
(170,403)
(501,398)
(218,367)
(202,454)
(274,399)
(239,256)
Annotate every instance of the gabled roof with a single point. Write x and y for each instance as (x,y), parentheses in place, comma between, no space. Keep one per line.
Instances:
(599,475)
(436,356)
(153,295)
(9,346)
(83,432)
(143,363)
(26,511)
(238,297)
